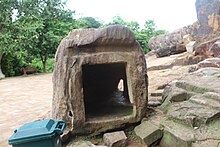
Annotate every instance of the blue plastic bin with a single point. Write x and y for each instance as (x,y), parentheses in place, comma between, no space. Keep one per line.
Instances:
(44,133)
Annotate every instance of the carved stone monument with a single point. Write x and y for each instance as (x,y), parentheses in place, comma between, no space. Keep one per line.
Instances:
(100,80)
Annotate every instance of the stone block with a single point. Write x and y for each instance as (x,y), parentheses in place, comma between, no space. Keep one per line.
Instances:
(187,39)
(149,132)
(157,93)
(115,139)
(171,140)
(190,46)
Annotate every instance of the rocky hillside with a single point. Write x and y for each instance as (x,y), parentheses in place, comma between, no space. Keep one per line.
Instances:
(185,102)
(184,89)
(201,38)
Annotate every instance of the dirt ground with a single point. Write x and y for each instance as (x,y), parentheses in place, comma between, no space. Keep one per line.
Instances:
(23,99)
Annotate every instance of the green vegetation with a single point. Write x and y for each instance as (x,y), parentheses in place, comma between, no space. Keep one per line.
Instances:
(143,35)
(31,30)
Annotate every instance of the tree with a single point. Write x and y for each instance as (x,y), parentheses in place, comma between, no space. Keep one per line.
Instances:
(143,35)
(7,28)
(87,22)
(43,23)
(117,20)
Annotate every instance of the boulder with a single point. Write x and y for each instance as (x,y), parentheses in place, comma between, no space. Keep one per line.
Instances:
(208,48)
(205,9)
(115,139)
(172,43)
(90,66)
(215,49)
(207,34)
(210,62)
(202,32)
(214,22)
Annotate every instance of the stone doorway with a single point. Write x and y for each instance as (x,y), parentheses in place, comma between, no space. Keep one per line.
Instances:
(100,80)
(105,91)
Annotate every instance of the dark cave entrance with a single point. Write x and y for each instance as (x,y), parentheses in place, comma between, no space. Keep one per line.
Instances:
(105,91)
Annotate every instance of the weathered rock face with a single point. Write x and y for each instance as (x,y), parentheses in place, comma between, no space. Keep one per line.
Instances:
(90,63)
(203,32)
(171,43)
(206,10)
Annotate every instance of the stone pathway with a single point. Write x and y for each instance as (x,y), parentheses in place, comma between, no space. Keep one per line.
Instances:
(22,100)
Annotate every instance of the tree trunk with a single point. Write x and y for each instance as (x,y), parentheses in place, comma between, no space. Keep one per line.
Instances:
(45,66)
(1,74)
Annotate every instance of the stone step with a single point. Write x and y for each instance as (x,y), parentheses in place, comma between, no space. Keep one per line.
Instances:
(157,93)
(206,100)
(176,135)
(191,114)
(154,101)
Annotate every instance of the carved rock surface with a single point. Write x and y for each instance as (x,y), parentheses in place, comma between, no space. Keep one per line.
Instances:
(90,63)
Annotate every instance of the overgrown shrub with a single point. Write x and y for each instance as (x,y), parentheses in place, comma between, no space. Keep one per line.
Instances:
(12,65)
